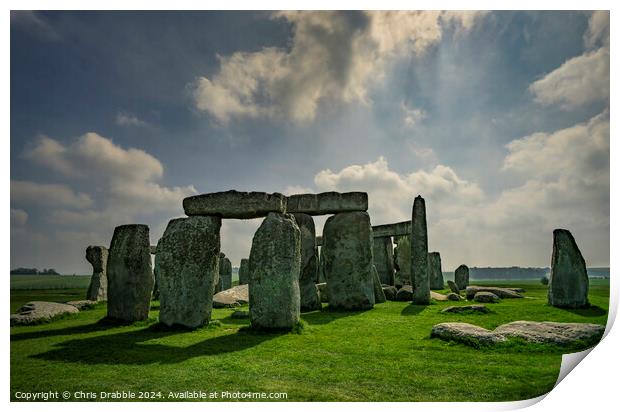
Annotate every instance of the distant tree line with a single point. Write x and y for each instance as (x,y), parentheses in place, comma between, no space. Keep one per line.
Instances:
(513,272)
(34,271)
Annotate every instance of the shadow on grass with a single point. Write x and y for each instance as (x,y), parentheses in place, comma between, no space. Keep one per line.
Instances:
(412,309)
(100,325)
(133,348)
(327,315)
(590,312)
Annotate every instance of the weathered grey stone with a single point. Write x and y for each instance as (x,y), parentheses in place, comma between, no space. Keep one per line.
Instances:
(535,332)
(186,262)
(405,294)
(471,291)
(390,292)
(244,274)
(82,304)
(466,308)
(323,293)
(98,258)
(39,312)
(419,254)
(327,203)
(275,260)
(453,287)
(379,295)
(383,255)
(453,296)
(486,297)
(434,271)
(225,270)
(348,263)
(130,275)
(392,229)
(235,296)
(568,282)
(309,298)
(461,277)
(402,261)
(235,205)
(438,296)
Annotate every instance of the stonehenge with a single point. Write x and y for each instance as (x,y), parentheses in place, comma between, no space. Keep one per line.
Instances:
(392,229)
(419,254)
(327,203)
(461,277)
(434,271)
(275,259)
(130,275)
(402,261)
(568,282)
(234,205)
(98,258)
(244,272)
(383,254)
(225,273)
(308,274)
(186,262)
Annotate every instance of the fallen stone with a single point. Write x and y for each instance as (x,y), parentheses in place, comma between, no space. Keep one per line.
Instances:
(383,257)
(392,229)
(453,287)
(322,290)
(453,296)
(327,203)
(239,294)
(402,261)
(471,291)
(186,265)
(465,333)
(83,304)
(438,296)
(405,294)
(461,277)
(568,281)
(486,297)
(275,259)
(235,205)
(98,258)
(434,271)
(419,254)
(130,275)
(347,253)
(390,292)
(39,312)
(379,295)
(518,290)
(244,274)
(309,298)
(466,308)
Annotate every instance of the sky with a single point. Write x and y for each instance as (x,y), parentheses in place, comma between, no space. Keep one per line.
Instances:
(500,120)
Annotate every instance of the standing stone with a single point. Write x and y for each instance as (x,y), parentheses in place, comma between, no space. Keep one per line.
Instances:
(225,270)
(402,261)
(461,277)
(419,254)
(568,282)
(244,272)
(130,274)
(275,260)
(434,270)
(98,258)
(383,255)
(379,294)
(308,273)
(187,262)
(347,240)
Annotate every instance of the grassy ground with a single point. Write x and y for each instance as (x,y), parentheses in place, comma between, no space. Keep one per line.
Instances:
(380,355)
(38,282)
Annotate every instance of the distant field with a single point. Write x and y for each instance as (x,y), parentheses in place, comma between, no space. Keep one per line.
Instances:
(31,282)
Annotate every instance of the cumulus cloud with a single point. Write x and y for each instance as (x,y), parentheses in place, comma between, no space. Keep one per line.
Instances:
(583,79)
(128,119)
(411,115)
(44,195)
(333,57)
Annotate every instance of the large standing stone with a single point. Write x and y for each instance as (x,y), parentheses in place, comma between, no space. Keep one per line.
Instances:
(98,258)
(327,203)
(461,277)
(402,261)
(383,254)
(225,274)
(379,294)
(275,260)
(434,270)
(244,272)
(130,274)
(568,282)
(187,261)
(308,274)
(235,205)
(419,254)
(348,263)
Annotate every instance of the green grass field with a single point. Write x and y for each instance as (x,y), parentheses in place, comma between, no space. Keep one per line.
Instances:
(384,354)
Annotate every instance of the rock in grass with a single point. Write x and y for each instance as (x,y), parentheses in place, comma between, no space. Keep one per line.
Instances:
(274,273)
(379,295)
(309,263)
(233,297)
(453,296)
(466,308)
(568,281)
(390,292)
(471,291)
(453,287)
(486,297)
(405,294)
(82,304)
(40,312)
(434,271)
(130,275)
(438,296)
(187,261)
(465,333)
(461,277)
(419,253)
(97,256)
(347,250)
